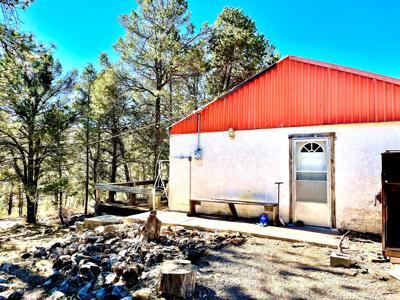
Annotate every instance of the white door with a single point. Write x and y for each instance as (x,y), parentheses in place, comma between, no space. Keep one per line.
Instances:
(311,182)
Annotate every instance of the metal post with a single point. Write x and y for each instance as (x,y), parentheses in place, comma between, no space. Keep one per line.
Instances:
(279,196)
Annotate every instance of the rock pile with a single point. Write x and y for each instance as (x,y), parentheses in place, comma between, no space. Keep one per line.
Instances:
(112,262)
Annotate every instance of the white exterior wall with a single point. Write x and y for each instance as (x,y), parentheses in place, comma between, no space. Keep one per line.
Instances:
(248,166)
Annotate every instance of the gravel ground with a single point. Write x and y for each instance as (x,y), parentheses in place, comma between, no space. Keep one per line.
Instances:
(259,269)
(267,269)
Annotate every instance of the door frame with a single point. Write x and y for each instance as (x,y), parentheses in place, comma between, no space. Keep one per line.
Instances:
(330,137)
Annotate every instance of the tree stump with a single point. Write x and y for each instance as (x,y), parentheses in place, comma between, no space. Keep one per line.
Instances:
(178,278)
(151,229)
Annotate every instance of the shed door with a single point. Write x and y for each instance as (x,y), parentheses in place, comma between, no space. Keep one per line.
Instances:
(311,182)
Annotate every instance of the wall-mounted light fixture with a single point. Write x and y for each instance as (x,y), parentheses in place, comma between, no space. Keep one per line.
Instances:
(231,133)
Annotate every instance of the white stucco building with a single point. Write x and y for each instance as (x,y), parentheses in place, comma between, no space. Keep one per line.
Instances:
(318,128)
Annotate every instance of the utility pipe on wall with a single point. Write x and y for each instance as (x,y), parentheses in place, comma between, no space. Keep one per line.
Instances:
(198,151)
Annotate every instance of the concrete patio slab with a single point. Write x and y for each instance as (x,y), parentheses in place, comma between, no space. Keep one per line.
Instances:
(102,221)
(277,233)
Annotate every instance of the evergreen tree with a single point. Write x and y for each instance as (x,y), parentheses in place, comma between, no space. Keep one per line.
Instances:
(59,120)
(112,109)
(29,82)
(158,37)
(237,51)
(85,89)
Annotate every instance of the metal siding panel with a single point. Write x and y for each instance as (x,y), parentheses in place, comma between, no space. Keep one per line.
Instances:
(357,99)
(252,94)
(285,95)
(296,92)
(242,107)
(289,92)
(379,103)
(257,105)
(203,120)
(347,98)
(246,106)
(333,116)
(389,101)
(304,95)
(239,96)
(220,115)
(372,104)
(213,120)
(313,96)
(324,94)
(350,90)
(397,102)
(277,99)
(261,103)
(204,116)
(229,110)
(269,101)
(281,101)
(237,111)
(364,107)
(339,111)
(308,95)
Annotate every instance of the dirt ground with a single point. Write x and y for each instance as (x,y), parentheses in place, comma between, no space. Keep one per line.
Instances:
(267,269)
(259,269)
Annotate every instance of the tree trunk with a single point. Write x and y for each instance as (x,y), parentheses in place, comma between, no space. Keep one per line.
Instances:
(227,78)
(20,202)
(114,166)
(96,159)
(36,205)
(59,197)
(60,207)
(157,135)
(87,167)
(151,229)
(30,210)
(178,278)
(126,168)
(10,203)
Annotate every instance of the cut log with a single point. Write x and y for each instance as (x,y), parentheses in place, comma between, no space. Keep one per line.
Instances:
(178,278)
(151,229)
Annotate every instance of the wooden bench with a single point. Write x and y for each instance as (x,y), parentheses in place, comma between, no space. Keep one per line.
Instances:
(268,207)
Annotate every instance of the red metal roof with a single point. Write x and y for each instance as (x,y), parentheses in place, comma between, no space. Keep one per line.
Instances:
(299,92)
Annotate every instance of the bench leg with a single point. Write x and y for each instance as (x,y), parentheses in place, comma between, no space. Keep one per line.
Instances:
(192,208)
(233,211)
(98,202)
(132,199)
(111,196)
(275,215)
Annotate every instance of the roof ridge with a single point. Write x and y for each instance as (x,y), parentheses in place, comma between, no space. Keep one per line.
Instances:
(351,70)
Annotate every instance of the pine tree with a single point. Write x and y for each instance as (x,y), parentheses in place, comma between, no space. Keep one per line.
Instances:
(30,79)
(59,119)
(85,89)
(112,109)
(237,51)
(158,37)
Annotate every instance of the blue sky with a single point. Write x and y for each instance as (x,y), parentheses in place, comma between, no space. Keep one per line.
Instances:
(363,34)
